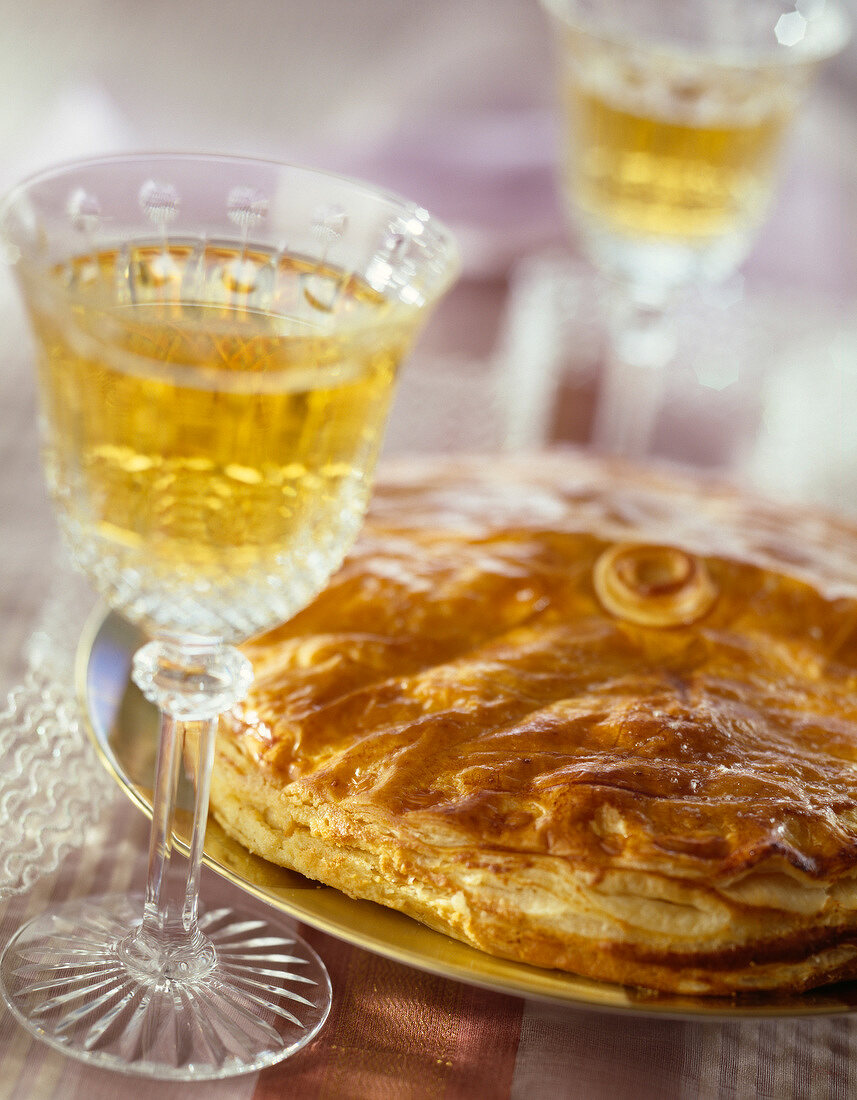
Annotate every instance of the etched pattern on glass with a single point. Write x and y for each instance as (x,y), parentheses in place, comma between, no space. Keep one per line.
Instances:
(277,993)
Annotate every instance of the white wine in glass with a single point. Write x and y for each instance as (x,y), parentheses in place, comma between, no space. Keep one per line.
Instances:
(217,346)
(184,492)
(673,116)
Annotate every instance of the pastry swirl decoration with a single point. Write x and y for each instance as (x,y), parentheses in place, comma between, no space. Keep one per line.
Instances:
(657,586)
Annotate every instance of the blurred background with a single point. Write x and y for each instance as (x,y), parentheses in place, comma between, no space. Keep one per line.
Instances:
(449,101)
(452,104)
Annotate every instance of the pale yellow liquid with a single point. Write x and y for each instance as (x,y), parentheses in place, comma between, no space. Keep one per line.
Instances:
(657,176)
(211,460)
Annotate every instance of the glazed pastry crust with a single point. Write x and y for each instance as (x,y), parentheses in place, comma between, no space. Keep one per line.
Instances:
(467,727)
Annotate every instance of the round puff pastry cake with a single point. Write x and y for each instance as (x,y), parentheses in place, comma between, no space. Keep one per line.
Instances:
(577,715)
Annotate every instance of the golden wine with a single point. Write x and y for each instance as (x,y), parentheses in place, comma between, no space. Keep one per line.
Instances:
(661,177)
(657,148)
(210,447)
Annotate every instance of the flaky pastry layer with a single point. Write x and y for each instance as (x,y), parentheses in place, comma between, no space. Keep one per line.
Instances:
(470,726)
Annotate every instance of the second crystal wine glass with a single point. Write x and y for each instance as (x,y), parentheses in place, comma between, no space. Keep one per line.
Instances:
(673,115)
(218,341)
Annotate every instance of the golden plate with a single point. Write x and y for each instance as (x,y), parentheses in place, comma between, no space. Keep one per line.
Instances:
(123,727)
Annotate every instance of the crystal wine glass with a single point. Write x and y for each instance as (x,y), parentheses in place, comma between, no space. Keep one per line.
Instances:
(673,115)
(217,343)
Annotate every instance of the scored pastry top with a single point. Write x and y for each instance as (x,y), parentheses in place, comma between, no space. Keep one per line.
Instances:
(559,657)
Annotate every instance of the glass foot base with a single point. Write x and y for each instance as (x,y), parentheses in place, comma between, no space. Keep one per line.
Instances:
(266,995)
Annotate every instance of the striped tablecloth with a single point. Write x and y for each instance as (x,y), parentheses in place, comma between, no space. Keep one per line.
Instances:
(398,1034)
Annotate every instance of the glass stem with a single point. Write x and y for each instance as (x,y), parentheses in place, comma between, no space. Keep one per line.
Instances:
(192,684)
(642,344)
(169,904)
